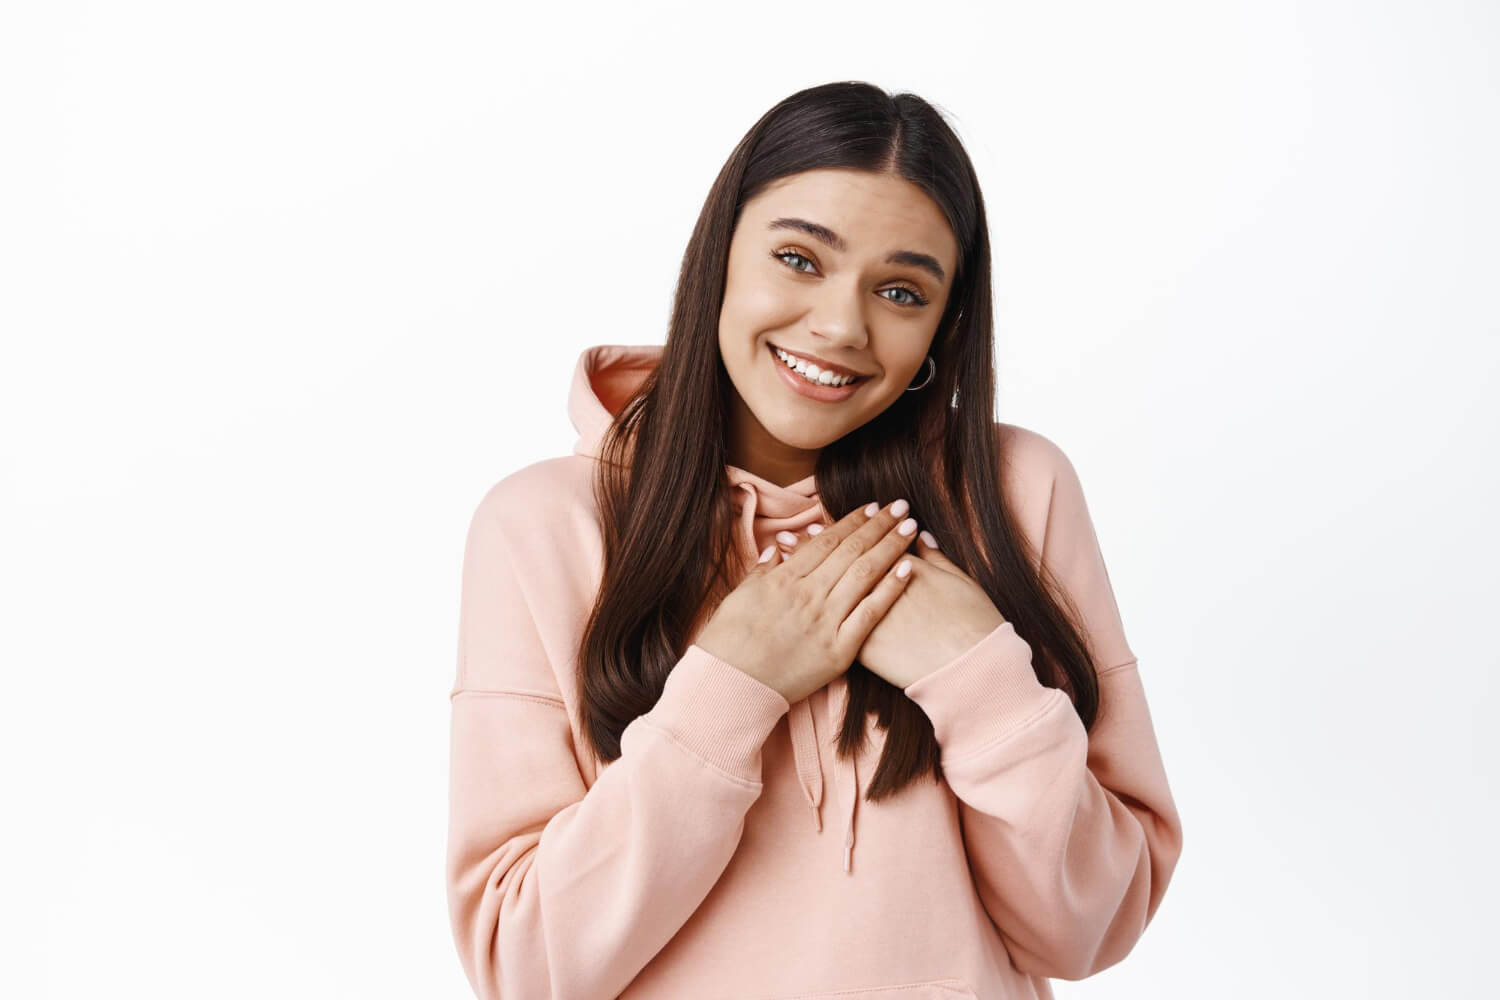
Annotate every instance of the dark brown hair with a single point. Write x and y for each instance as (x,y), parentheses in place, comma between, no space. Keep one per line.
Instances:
(661,476)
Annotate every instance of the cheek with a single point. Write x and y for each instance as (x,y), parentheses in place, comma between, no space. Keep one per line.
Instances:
(754,302)
(905,368)
(900,372)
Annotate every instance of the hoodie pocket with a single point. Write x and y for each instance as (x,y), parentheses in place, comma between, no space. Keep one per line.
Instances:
(932,989)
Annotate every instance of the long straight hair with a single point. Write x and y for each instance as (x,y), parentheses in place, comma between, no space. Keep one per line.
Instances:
(664,497)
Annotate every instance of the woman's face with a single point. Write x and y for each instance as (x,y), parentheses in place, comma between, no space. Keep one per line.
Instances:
(840,266)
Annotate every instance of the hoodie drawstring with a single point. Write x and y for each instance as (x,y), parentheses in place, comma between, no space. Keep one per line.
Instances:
(843,768)
(805,752)
(809,764)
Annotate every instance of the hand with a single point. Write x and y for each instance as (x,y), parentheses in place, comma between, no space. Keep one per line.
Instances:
(795,624)
(942,613)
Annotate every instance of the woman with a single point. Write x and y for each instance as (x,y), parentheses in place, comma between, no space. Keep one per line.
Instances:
(718,615)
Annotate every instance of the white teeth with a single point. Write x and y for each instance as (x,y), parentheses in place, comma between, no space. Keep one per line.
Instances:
(810,371)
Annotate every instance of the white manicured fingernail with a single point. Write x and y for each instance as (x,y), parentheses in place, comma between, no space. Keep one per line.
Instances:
(904,568)
(928,540)
(766,555)
(907,526)
(786,538)
(813,529)
(871,509)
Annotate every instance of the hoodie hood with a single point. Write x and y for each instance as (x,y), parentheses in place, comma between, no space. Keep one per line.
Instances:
(605,377)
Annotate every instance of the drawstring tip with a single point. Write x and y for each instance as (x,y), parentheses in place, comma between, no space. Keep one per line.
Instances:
(817,819)
(848,856)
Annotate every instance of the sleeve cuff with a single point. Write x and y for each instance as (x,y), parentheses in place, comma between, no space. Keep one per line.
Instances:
(982,694)
(718,711)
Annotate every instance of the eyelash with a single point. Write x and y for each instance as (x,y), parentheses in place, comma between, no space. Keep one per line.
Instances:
(918,298)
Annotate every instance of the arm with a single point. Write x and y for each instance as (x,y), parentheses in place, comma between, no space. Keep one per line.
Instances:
(560,890)
(1072,836)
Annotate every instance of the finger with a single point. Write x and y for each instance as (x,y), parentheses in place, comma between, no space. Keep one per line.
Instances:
(927,548)
(804,553)
(864,573)
(865,615)
(827,574)
(787,541)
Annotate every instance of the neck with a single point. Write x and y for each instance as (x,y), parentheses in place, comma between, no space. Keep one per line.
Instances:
(753,448)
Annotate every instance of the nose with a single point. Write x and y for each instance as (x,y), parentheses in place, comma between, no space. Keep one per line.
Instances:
(838,319)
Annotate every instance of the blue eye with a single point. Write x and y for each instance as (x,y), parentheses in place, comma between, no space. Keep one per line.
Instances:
(784,254)
(916,300)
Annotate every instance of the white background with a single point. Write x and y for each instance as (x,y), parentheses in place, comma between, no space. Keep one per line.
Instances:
(285,286)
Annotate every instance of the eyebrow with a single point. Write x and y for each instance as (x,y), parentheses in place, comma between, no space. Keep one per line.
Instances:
(912,258)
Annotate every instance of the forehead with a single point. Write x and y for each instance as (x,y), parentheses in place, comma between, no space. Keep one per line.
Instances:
(873,212)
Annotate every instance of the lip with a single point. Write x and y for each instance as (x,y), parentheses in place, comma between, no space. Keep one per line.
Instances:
(806,389)
(814,359)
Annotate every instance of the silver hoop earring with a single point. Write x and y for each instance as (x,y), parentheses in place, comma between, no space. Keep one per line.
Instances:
(931,371)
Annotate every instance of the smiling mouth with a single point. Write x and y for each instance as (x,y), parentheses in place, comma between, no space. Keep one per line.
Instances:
(776,356)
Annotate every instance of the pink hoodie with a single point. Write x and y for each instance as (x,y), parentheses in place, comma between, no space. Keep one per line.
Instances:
(698,865)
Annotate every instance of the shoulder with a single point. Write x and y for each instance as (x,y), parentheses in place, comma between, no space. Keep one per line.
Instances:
(534,492)
(1031,466)
(546,503)
(1044,493)
(1027,453)
(1046,497)
(533,554)
(530,564)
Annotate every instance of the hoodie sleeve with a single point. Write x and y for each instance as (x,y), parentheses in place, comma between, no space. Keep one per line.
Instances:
(556,889)
(1072,835)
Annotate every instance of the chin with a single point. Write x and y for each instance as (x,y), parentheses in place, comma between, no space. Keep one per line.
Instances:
(796,434)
